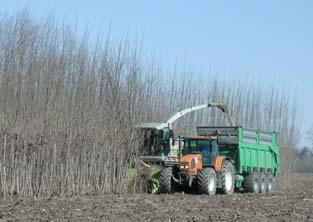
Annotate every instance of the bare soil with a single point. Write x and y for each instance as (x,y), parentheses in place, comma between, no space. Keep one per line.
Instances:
(291,204)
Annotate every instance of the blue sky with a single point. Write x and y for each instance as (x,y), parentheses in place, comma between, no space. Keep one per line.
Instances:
(271,41)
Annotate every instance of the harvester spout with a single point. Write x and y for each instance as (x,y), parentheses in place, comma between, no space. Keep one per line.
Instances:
(183,112)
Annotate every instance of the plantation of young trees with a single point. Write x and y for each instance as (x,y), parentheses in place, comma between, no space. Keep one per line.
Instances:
(68,108)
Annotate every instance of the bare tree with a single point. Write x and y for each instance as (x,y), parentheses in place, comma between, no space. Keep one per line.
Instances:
(68,108)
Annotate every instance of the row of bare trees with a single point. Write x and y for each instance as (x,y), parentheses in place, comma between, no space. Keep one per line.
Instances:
(68,108)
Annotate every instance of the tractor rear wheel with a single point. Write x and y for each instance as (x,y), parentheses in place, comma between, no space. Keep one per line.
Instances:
(251,182)
(165,180)
(207,181)
(227,177)
(262,183)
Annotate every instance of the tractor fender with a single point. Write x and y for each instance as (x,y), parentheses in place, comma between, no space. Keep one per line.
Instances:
(219,162)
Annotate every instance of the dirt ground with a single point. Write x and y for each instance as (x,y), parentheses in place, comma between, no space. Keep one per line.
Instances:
(292,204)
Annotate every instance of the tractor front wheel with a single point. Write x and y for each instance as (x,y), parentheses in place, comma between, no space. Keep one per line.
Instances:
(165,180)
(207,181)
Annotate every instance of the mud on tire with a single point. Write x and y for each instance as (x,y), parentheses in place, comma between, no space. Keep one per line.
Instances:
(207,181)
(269,182)
(262,183)
(227,178)
(251,182)
(165,180)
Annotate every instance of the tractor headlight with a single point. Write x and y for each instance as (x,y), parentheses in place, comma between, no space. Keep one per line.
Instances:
(182,167)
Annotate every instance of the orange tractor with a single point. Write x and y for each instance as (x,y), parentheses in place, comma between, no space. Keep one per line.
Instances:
(200,166)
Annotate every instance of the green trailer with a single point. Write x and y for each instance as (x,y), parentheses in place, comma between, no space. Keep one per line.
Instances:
(254,154)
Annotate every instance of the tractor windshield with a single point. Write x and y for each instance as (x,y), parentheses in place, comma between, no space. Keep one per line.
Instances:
(207,148)
(197,147)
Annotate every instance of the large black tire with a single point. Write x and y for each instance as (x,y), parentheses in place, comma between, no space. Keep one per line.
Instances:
(262,183)
(165,180)
(227,177)
(207,181)
(251,182)
(269,183)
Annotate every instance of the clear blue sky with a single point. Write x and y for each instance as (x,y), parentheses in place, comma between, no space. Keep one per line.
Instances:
(271,41)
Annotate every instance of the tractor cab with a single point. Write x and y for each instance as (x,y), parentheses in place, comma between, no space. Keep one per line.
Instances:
(207,147)
(198,152)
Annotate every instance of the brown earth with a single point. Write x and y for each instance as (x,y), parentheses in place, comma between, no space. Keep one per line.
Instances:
(291,204)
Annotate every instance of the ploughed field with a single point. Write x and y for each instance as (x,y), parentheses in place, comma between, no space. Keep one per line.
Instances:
(294,203)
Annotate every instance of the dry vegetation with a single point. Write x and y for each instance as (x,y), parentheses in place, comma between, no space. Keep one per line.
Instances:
(68,107)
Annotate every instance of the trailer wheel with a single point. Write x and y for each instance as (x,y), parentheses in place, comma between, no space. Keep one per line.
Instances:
(269,183)
(165,180)
(251,182)
(262,183)
(227,177)
(207,181)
